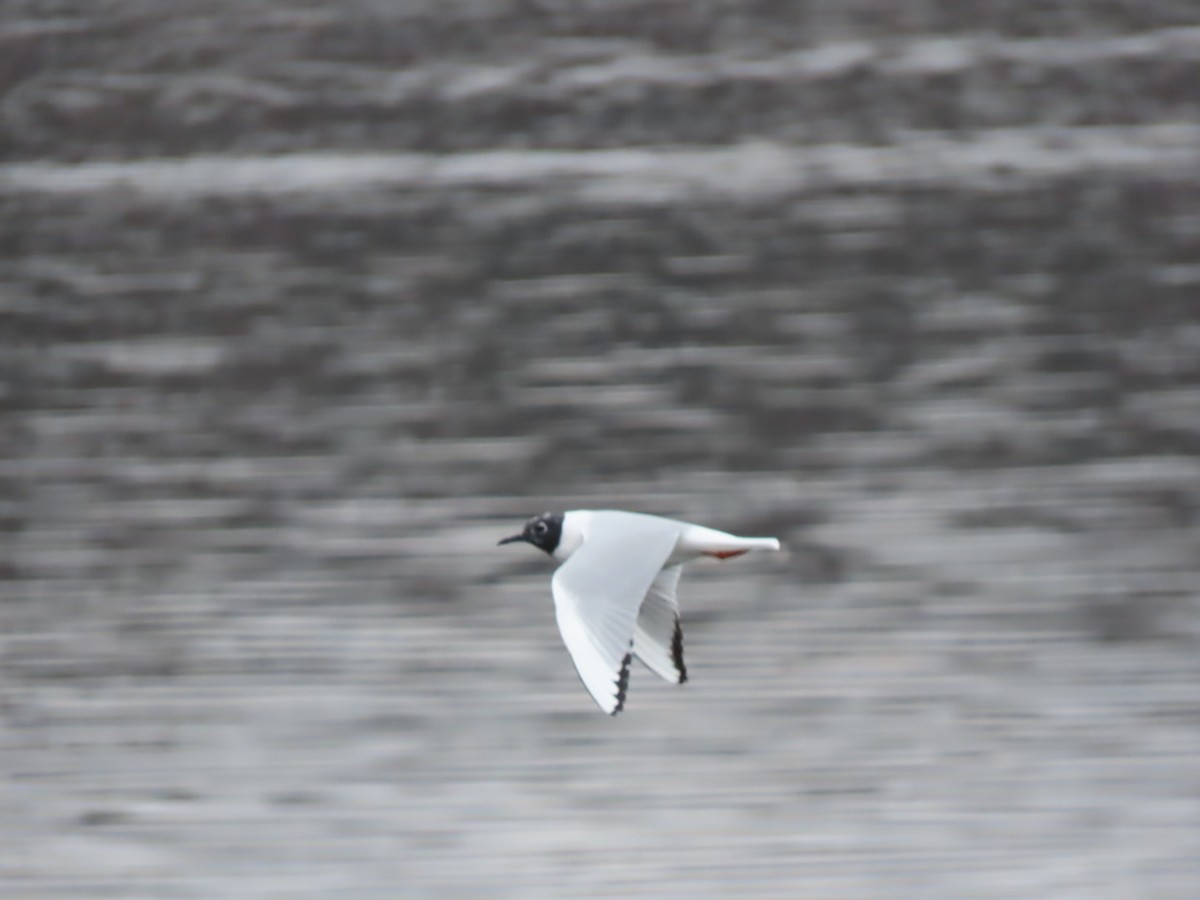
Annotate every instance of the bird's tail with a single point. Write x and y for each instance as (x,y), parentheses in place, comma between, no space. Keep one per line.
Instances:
(760,543)
(736,546)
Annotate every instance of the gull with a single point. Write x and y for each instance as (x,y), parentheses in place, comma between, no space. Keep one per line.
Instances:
(614,594)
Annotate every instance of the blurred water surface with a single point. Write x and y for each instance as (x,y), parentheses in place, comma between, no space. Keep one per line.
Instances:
(301,309)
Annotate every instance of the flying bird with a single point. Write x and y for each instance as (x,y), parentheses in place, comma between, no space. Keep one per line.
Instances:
(614,594)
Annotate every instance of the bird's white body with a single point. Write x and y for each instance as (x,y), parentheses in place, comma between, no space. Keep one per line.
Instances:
(692,541)
(614,594)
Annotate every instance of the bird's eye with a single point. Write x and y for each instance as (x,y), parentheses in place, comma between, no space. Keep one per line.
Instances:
(539,528)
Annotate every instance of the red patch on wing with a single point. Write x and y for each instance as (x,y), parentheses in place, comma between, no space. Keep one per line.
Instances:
(725,554)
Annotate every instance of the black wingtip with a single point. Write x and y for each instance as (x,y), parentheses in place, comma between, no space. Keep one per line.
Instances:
(622,684)
(677,651)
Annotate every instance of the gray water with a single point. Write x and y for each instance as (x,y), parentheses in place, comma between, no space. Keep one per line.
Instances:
(303,307)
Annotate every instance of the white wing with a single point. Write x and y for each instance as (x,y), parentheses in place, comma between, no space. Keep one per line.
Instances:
(597,595)
(658,638)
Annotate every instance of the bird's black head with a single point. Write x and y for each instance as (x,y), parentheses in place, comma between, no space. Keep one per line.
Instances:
(543,531)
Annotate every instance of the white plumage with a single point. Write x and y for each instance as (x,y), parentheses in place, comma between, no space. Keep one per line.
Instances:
(614,594)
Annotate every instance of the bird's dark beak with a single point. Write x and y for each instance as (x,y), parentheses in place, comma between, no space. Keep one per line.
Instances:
(513,539)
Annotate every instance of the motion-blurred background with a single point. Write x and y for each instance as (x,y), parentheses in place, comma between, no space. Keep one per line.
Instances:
(304,305)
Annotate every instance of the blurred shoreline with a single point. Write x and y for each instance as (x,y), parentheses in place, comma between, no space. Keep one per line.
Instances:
(301,309)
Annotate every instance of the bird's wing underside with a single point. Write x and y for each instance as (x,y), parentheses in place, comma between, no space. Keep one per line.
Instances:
(597,595)
(658,638)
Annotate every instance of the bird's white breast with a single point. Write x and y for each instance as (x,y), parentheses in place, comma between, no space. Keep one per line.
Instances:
(574,529)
